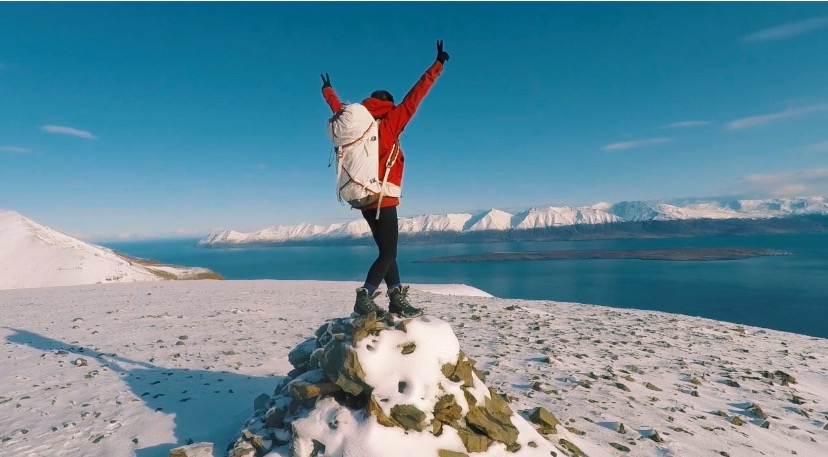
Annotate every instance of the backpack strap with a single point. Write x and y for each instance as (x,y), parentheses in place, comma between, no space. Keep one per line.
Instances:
(395,150)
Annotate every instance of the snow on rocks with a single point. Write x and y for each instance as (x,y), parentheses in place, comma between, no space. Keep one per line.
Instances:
(367,387)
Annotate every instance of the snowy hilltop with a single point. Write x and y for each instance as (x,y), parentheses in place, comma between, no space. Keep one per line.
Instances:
(33,255)
(628,218)
(139,369)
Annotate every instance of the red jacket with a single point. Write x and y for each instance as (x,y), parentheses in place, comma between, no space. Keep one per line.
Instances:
(393,120)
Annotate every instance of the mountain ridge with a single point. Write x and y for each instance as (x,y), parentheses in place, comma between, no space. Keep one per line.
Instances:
(558,222)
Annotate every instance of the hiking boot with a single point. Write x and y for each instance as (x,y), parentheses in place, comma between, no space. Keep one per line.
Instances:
(398,303)
(364,303)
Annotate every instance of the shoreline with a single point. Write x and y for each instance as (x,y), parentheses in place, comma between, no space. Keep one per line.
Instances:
(670,254)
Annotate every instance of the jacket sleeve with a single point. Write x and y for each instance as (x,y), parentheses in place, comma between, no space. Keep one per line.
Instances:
(398,117)
(332,99)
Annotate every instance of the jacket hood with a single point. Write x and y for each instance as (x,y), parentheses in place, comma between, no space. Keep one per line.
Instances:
(378,108)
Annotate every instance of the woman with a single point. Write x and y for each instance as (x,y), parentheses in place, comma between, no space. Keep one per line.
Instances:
(392,121)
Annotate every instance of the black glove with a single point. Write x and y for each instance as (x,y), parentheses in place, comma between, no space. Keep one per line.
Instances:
(442,56)
(326,80)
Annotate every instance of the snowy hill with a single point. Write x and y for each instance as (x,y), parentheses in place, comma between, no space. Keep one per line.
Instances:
(137,369)
(33,255)
(552,217)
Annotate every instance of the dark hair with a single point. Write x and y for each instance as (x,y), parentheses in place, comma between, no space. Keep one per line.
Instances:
(383,95)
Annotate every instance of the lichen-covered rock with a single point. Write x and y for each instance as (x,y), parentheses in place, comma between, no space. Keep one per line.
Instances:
(447,410)
(445,453)
(376,410)
(546,420)
(303,390)
(652,387)
(573,450)
(494,420)
(620,447)
(757,411)
(341,366)
(242,449)
(193,450)
(472,441)
(408,417)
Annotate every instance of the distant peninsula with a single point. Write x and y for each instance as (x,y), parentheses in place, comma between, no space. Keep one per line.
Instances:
(676,254)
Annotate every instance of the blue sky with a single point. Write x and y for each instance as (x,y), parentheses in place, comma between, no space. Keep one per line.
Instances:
(152,119)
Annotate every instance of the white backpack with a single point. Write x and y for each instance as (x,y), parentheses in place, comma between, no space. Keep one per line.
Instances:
(355,136)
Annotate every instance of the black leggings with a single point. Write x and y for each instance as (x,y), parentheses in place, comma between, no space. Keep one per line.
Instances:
(385,232)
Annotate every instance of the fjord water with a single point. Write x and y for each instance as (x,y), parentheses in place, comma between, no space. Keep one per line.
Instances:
(788,293)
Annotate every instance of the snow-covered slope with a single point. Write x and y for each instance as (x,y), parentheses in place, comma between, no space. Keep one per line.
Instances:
(494,219)
(32,255)
(136,369)
(538,218)
(554,216)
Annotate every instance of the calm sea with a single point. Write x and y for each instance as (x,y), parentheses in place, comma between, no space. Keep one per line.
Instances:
(787,293)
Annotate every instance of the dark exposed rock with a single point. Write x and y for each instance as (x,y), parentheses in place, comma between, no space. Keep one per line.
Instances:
(785,378)
(493,421)
(408,417)
(341,366)
(408,348)
(546,420)
(261,401)
(472,441)
(757,411)
(275,417)
(573,450)
(300,355)
(447,410)
(445,453)
(620,447)
(375,410)
(302,390)
(193,450)
(652,387)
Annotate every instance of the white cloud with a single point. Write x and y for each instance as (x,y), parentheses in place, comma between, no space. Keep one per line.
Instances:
(755,121)
(686,124)
(14,149)
(785,31)
(635,144)
(68,131)
(789,184)
(818,147)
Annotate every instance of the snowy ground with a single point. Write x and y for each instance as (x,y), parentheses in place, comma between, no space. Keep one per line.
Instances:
(138,368)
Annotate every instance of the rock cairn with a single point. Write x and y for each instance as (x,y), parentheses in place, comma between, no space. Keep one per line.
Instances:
(329,368)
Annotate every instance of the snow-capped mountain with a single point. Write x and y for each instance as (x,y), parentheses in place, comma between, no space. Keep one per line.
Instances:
(493,220)
(33,255)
